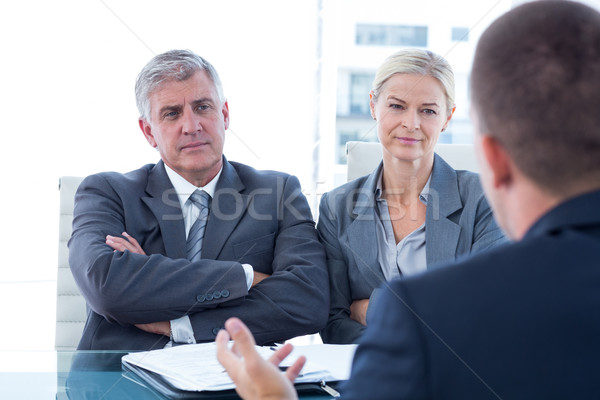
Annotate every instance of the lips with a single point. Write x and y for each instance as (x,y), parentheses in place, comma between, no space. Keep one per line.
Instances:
(194,145)
(408,140)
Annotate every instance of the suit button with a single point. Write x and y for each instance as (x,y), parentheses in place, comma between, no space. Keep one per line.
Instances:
(224,293)
(200,298)
(208,296)
(215,331)
(216,295)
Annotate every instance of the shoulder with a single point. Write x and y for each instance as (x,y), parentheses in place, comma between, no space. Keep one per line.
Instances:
(470,190)
(128,181)
(469,183)
(349,191)
(460,188)
(253,177)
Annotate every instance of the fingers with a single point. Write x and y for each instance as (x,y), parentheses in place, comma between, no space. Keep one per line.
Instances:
(132,240)
(281,353)
(244,341)
(294,370)
(120,244)
(224,355)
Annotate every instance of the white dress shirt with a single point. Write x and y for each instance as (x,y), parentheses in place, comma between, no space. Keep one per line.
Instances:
(181,328)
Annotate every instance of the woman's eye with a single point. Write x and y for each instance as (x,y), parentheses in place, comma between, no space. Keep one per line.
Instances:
(396,106)
(429,112)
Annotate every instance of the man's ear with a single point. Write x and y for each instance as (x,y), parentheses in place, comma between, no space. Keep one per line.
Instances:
(147,130)
(497,160)
(225,111)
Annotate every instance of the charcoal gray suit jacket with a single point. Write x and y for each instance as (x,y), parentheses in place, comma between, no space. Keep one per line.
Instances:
(257,217)
(459,221)
(516,322)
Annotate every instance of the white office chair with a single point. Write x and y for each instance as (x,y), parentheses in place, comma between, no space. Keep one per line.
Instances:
(364,157)
(70,305)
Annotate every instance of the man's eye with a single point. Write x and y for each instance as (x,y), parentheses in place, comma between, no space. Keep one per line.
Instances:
(171,114)
(203,107)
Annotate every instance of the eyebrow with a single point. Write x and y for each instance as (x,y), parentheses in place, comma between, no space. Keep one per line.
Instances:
(203,100)
(178,107)
(434,104)
(164,109)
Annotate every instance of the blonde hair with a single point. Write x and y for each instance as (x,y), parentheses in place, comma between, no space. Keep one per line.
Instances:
(418,62)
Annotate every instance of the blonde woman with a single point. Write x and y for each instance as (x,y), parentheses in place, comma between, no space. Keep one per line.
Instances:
(414,211)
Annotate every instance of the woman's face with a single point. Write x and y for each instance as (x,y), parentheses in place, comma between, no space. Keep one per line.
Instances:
(411,113)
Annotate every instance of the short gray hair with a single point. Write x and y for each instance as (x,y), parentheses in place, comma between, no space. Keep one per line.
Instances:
(177,65)
(418,62)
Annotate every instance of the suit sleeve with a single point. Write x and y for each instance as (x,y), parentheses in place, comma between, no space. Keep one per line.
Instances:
(486,232)
(389,362)
(340,327)
(294,300)
(128,288)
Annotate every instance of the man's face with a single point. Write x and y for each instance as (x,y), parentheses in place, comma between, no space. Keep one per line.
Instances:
(187,125)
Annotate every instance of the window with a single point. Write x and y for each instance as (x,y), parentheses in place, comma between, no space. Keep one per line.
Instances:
(460,34)
(349,135)
(360,86)
(391,35)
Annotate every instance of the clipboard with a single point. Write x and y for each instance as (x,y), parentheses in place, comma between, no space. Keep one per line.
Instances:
(142,369)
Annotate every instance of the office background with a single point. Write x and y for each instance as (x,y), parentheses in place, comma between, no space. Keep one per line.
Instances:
(296,74)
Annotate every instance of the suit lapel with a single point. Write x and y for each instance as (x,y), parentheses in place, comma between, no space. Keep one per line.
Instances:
(362,238)
(441,234)
(165,206)
(227,209)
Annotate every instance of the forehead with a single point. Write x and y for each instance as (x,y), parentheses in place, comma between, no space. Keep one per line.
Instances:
(174,92)
(410,87)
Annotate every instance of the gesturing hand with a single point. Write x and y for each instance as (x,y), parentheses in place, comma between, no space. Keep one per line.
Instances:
(255,378)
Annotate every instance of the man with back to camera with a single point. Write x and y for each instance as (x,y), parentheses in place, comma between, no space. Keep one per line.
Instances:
(520,321)
(166,253)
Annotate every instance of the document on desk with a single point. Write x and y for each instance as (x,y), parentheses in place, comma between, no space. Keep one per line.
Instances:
(195,368)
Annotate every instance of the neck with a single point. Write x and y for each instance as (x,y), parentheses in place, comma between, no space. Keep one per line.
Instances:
(403,180)
(525,205)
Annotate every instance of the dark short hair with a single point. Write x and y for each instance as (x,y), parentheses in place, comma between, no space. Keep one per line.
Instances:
(178,65)
(535,87)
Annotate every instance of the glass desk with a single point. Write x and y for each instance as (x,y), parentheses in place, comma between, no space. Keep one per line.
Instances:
(73,375)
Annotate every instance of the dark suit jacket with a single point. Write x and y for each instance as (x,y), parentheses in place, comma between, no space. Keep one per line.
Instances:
(518,322)
(257,217)
(458,221)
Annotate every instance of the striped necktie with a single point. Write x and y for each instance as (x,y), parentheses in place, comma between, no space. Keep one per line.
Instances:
(193,246)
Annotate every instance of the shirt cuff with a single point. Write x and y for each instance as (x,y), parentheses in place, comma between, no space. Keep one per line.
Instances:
(249,271)
(182,331)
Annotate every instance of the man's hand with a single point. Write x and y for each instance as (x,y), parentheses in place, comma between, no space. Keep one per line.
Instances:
(358,311)
(159,328)
(258,278)
(120,244)
(255,377)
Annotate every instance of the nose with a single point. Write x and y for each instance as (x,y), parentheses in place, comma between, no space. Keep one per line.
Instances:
(190,123)
(411,121)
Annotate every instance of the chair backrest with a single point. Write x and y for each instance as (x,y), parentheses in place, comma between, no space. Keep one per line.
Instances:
(364,157)
(70,305)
